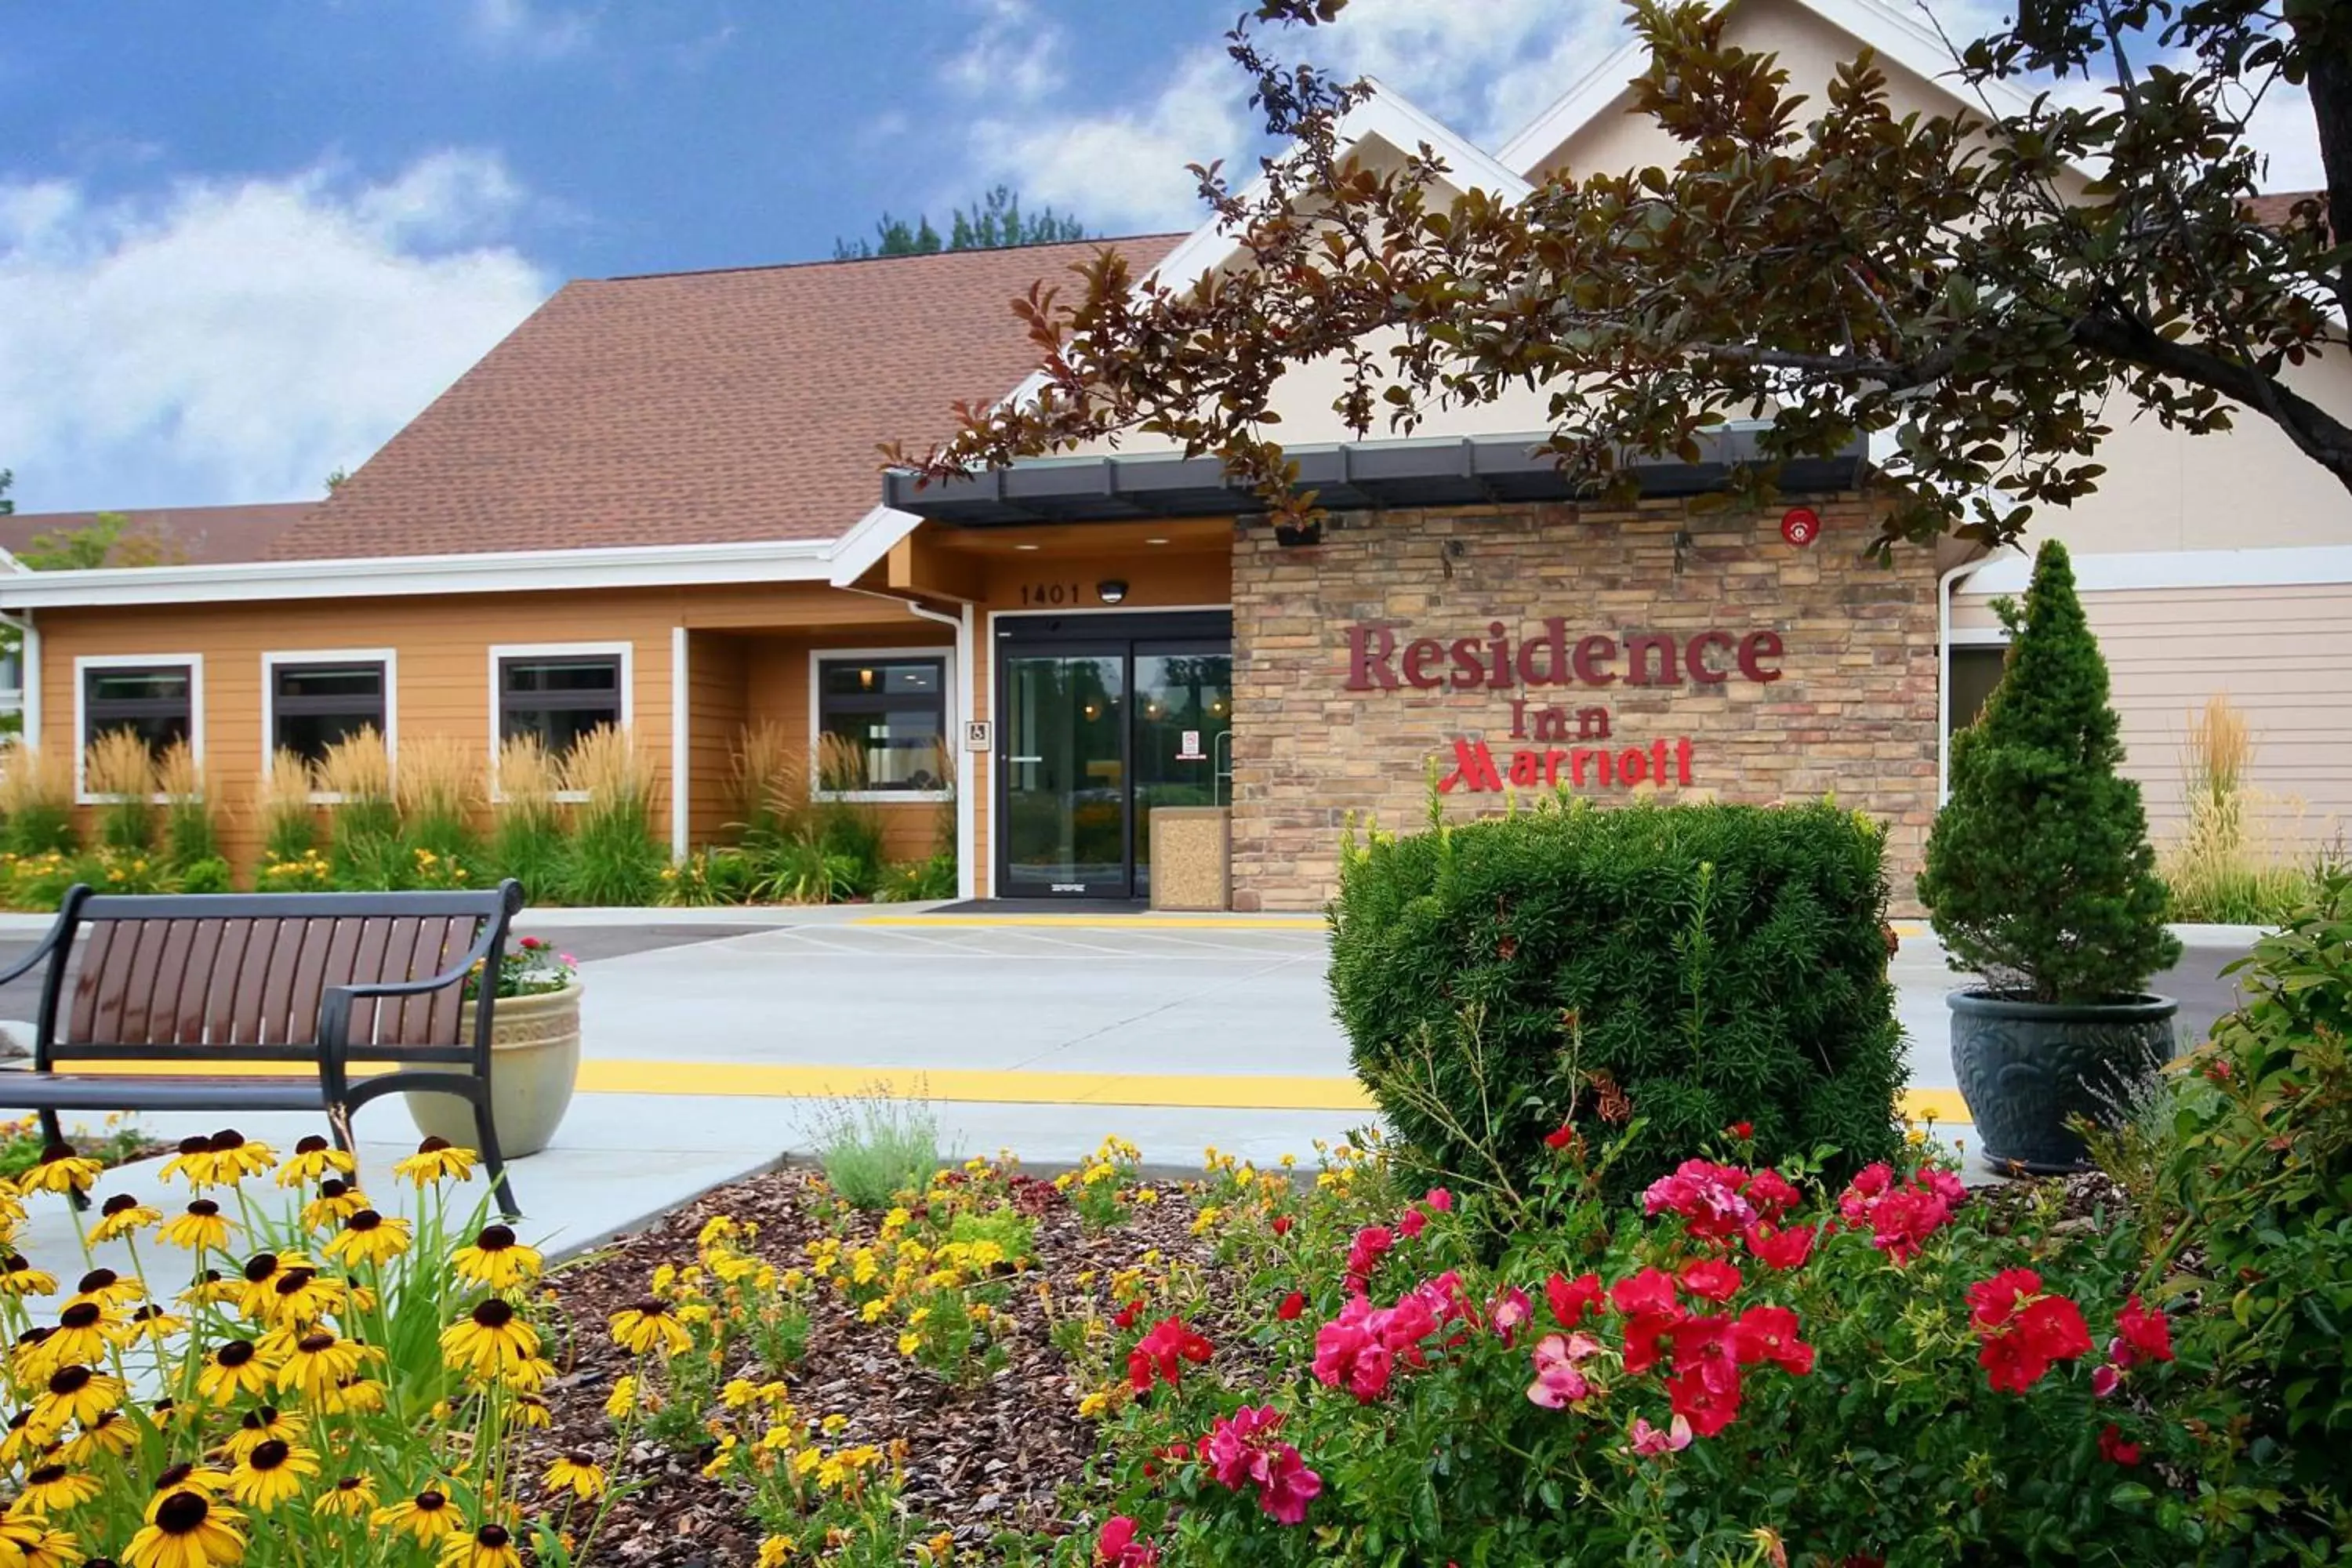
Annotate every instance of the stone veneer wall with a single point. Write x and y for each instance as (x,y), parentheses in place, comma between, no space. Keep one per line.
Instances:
(1856,711)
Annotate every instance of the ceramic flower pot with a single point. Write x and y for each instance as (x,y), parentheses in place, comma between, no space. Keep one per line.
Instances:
(2026,1068)
(534,1062)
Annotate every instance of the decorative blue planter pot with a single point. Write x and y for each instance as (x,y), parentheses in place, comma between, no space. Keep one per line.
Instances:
(2027,1068)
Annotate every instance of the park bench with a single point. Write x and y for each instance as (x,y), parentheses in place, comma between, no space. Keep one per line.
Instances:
(366,988)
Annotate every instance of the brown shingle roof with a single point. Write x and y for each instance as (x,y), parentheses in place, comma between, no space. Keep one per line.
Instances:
(2273,208)
(698,407)
(189,535)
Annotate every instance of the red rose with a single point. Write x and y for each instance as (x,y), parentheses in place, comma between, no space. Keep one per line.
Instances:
(1573,1298)
(1742,1130)
(1711,1279)
(1708,1409)
(1124,1317)
(1160,1353)
(530,944)
(1780,1248)
(2114,1450)
(1770,1334)
(1282,1225)
(1651,1290)
(2054,1326)
(1992,1301)
(2011,1365)
(1411,1224)
(2140,1335)
(1291,1305)
(1560,1137)
(1439,1200)
(1643,1332)
(1772,1195)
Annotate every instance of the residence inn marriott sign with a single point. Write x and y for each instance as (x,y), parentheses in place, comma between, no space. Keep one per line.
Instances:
(1555,660)
(1608,652)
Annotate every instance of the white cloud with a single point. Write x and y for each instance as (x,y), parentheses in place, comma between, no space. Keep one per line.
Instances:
(1122,170)
(235,340)
(1486,68)
(2283,131)
(1010,54)
(525,28)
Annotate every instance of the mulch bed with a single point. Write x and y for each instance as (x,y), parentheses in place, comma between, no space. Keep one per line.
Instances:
(980,1460)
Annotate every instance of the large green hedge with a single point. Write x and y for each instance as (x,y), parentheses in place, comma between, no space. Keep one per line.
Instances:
(1720,964)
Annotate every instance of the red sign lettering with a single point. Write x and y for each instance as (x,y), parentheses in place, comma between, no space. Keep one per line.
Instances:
(1498,662)
(1476,772)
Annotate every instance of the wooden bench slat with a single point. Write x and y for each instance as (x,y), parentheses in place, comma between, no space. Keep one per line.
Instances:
(187,1015)
(251,982)
(277,984)
(158,1011)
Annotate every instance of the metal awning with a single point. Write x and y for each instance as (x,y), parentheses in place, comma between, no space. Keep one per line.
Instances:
(1352,476)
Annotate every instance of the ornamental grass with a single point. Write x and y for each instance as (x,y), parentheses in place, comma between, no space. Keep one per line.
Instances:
(439,789)
(37,798)
(613,857)
(190,837)
(119,770)
(364,820)
(2229,862)
(282,803)
(287,1375)
(527,836)
(770,779)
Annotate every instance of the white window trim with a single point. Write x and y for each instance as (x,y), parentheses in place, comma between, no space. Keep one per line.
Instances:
(505,651)
(388,657)
(88,661)
(821,657)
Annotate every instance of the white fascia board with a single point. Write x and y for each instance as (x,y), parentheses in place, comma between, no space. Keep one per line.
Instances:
(855,552)
(2314,563)
(1392,118)
(1890,34)
(499,571)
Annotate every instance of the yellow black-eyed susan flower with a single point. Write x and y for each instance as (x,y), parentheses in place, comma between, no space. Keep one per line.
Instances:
(255,1279)
(578,1474)
(529,1375)
(622,1402)
(122,1215)
(368,1236)
(19,1277)
(647,1326)
(318,1363)
(55,1488)
(232,1371)
(73,1394)
(337,1201)
(490,1339)
(349,1498)
(213,1288)
(358,1394)
(236,1156)
(260,1424)
(496,1260)
(185,1478)
(29,1542)
(776,1551)
(110,1289)
(84,1333)
(302,1296)
(426,1518)
(61,1168)
(314,1159)
(113,1433)
(201,1228)
(531,1411)
(491,1546)
(192,1163)
(148,1322)
(436,1160)
(187,1529)
(21,1442)
(271,1473)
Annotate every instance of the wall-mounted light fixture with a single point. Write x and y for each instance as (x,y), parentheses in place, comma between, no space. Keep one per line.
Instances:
(1110,590)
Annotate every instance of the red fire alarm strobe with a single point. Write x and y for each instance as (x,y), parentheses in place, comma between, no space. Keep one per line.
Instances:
(1799,525)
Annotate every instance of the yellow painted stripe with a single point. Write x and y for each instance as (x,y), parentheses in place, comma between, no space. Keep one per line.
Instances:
(792,1079)
(1108,923)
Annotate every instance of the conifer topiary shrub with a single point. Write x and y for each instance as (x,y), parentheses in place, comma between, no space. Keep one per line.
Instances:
(2039,873)
(1674,970)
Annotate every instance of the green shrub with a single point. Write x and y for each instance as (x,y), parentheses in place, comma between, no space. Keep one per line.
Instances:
(852,836)
(1678,969)
(2244,1184)
(874,1147)
(799,871)
(933,877)
(209,875)
(2039,874)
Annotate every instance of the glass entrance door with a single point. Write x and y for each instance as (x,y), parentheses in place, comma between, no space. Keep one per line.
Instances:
(1105,720)
(1184,726)
(1066,785)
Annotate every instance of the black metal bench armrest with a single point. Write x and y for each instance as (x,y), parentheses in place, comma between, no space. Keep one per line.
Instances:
(48,944)
(335,1006)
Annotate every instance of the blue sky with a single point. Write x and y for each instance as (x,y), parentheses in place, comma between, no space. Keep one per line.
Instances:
(241,243)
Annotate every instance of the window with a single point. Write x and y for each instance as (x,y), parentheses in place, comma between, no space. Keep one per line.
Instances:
(316,699)
(1975,671)
(881,721)
(156,702)
(560,695)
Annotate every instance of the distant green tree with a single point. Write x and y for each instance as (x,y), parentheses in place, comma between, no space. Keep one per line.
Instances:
(996,222)
(7,478)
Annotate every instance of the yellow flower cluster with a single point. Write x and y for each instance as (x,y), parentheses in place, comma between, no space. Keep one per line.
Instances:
(308,872)
(281,1414)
